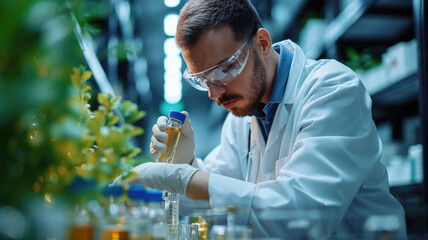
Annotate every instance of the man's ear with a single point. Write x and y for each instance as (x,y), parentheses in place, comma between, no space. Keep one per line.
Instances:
(263,41)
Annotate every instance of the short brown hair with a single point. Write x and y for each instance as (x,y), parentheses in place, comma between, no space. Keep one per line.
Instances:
(198,16)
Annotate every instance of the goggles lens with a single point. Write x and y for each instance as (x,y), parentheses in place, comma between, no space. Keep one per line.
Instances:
(220,74)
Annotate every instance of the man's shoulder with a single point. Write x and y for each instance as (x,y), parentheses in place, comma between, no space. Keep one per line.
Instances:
(325,76)
(327,66)
(330,71)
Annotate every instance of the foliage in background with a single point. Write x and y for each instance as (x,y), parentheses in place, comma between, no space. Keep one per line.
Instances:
(363,60)
(108,150)
(49,134)
(307,15)
(37,50)
(53,143)
(124,49)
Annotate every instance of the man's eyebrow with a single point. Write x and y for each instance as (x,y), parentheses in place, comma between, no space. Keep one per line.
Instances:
(234,55)
(224,60)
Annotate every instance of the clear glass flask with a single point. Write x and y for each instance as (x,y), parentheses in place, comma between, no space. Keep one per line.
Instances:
(82,226)
(202,226)
(156,213)
(114,225)
(139,222)
(173,129)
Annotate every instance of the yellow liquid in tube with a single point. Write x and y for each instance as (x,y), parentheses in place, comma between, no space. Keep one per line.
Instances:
(114,234)
(142,238)
(81,232)
(173,136)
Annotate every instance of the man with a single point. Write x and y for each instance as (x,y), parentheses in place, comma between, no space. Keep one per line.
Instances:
(299,137)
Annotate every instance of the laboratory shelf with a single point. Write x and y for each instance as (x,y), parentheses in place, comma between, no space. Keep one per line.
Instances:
(398,93)
(396,102)
(371,20)
(288,26)
(298,9)
(406,189)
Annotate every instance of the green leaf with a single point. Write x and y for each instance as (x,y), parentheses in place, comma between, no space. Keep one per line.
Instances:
(99,117)
(113,120)
(137,116)
(102,99)
(86,97)
(116,99)
(93,125)
(116,140)
(88,29)
(130,112)
(75,71)
(134,152)
(123,49)
(75,80)
(86,88)
(136,131)
(85,76)
(129,175)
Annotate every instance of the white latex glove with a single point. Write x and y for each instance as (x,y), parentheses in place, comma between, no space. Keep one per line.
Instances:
(163,176)
(185,150)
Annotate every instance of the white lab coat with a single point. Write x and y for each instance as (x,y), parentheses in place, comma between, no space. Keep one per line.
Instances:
(323,153)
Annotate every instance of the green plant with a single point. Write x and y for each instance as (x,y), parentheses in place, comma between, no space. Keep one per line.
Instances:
(49,134)
(108,150)
(363,60)
(55,150)
(38,122)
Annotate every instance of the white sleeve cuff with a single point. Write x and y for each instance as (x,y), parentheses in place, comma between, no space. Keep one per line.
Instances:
(230,191)
(199,164)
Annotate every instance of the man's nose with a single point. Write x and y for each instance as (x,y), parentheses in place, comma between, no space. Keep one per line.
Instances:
(214,91)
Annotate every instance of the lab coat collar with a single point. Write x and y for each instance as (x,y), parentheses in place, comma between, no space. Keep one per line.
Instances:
(291,89)
(296,69)
(284,108)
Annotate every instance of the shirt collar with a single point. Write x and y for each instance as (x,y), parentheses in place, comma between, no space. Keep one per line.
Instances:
(280,80)
(281,75)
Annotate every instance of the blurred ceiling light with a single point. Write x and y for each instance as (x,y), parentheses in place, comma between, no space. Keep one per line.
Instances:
(170,24)
(172,63)
(172,76)
(172,92)
(170,47)
(172,87)
(171,3)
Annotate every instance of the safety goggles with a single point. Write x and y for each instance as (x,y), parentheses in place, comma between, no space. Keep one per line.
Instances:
(222,73)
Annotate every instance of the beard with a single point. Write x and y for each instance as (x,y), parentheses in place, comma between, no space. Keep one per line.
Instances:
(256,90)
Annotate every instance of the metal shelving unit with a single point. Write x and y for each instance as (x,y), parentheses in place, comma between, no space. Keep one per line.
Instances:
(421,25)
(403,91)
(385,22)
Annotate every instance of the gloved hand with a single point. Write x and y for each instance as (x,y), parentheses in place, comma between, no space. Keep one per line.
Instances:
(163,176)
(185,150)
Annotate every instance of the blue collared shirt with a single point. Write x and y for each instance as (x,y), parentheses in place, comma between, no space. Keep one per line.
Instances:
(265,117)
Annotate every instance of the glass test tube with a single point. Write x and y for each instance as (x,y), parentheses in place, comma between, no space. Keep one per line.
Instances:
(173,130)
